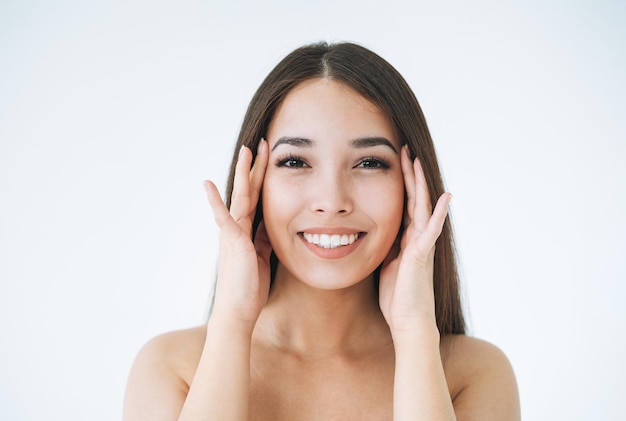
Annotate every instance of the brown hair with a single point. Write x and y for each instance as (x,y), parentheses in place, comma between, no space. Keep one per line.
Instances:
(375,79)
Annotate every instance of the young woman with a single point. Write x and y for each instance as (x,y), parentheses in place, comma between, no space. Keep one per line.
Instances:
(337,293)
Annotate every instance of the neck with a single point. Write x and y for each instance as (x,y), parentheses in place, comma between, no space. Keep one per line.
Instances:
(311,322)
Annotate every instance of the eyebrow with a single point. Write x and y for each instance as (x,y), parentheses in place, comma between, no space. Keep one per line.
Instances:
(294,141)
(368,142)
(362,142)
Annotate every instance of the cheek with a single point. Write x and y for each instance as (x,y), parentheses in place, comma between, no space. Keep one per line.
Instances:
(387,203)
(278,201)
(395,208)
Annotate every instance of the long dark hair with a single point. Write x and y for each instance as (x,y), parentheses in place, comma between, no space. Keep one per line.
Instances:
(375,79)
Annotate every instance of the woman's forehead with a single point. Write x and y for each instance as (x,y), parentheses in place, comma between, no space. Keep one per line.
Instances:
(324,108)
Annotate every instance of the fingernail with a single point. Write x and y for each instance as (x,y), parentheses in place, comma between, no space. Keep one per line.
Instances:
(406,150)
(205,184)
(241,150)
(261,145)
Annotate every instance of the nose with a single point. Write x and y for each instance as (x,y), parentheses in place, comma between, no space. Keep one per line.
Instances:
(331,194)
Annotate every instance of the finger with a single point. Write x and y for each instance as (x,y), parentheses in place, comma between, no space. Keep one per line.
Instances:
(409,183)
(423,208)
(257,174)
(220,211)
(437,220)
(240,199)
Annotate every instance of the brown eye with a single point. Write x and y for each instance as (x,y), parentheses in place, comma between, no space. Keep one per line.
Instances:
(373,163)
(291,162)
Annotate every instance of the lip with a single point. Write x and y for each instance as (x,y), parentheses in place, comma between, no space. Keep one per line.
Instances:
(332,253)
(331,231)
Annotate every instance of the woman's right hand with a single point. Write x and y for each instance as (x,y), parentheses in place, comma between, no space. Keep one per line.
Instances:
(244,264)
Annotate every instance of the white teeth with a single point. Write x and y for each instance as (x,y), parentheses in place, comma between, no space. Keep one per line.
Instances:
(329,241)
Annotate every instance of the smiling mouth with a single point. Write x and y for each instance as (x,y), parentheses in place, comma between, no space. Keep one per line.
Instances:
(331,241)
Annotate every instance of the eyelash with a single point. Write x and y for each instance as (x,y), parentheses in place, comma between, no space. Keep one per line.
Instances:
(293,161)
(283,160)
(378,163)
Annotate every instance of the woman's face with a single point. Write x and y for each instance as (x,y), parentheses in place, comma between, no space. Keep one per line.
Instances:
(333,194)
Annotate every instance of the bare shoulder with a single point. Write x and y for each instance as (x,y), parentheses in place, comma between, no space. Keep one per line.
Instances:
(162,372)
(481,380)
(178,351)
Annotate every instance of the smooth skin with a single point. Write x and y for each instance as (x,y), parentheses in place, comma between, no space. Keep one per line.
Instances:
(323,344)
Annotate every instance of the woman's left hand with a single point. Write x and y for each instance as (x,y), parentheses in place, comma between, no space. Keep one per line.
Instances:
(406,279)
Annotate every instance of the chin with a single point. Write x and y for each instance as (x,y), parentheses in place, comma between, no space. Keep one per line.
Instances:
(328,279)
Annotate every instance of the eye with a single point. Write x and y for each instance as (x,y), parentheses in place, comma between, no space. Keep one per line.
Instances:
(291,162)
(373,163)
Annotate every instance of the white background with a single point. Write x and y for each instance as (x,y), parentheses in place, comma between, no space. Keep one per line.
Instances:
(113,112)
